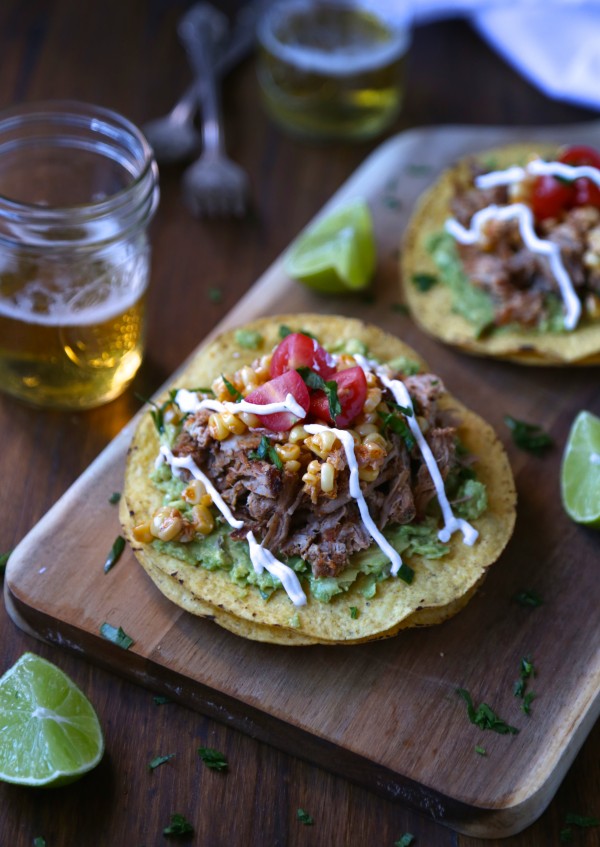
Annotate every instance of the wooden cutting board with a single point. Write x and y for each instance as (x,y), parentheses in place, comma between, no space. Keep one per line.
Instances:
(384,714)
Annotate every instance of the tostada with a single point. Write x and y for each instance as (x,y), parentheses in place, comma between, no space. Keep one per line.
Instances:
(502,255)
(308,480)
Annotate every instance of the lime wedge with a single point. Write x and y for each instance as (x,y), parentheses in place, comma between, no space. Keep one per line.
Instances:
(580,471)
(49,731)
(336,253)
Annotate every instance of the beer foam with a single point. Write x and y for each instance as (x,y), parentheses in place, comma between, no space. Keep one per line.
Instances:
(82,306)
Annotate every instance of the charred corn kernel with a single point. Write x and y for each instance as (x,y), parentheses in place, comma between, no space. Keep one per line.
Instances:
(292,466)
(263,368)
(202,519)
(297,433)
(206,500)
(166,523)
(310,480)
(591,259)
(142,533)
(372,400)
(288,452)
(327,478)
(251,420)
(371,379)
(248,378)
(368,474)
(374,451)
(233,423)
(194,492)
(592,305)
(217,428)
(321,443)
(376,438)
(365,429)
(314,468)
(221,391)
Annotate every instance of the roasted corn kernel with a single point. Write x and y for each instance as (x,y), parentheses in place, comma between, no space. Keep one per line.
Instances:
(142,533)
(166,523)
(202,519)
(327,478)
(217,428)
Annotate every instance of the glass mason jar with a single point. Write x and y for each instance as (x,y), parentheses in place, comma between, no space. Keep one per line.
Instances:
(78,188)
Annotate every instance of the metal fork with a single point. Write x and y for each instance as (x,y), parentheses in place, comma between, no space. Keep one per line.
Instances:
(213,185)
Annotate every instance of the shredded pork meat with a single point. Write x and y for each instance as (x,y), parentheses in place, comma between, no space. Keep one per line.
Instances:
(325,529)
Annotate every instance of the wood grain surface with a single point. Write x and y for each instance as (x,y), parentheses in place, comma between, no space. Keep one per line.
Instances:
(126,56)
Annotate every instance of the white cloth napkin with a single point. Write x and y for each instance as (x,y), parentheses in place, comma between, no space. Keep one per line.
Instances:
(555,44)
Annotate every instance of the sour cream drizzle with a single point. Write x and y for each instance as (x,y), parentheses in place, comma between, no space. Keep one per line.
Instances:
(188,401)
(355,492)
(263,559)
(524,215)
(187,462)
(510,176)
(402,397)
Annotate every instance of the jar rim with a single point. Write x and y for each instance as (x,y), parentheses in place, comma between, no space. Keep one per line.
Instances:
(109,133)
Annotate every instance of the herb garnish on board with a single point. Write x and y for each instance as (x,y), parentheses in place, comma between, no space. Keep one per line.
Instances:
(529,437)
(484,716)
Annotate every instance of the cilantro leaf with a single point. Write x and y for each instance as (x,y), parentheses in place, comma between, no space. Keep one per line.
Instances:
(114,498)
(159,760)
(484,716)
(285,330)
(161,700)
(481,751)
(330,387)
(406,840)
(115,553)
(266,452)
(528,598)
(237,395)
(529,437)
(215,295)
(4,557)
(304,817)
(423,282)
(39,841)
(396,422)
(527,672)
(213,759)
(178,826)
(581,820)
(353,612)
(117,635)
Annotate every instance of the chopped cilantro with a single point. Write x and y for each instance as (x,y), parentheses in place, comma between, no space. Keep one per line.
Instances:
(527,672)
(330,387)
(159,760)
(249,339)
(285,330)
(178,826)
(481,751)
(39,842)
(114,497)
(353,612)
(418,170)
(161,700)
(571,819)
(407,839)
(237,396)
(267,452)
(423,282)
(392,202)
(484,716)
(117,636)
(304,817)
(529,437)
(528,598)
(526,705)
(215,295)
(114,554)
(395,421)
(213,759)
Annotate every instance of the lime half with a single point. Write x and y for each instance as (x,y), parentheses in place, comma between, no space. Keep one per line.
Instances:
(337,252)
(580,472)
(49,731)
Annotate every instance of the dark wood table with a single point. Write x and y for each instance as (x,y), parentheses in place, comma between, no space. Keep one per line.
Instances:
(126,56)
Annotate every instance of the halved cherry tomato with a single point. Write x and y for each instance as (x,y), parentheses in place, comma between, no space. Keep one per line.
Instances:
(580,154)
(275,391)
(300,351)
(550,197)
(352,393)
(586,191)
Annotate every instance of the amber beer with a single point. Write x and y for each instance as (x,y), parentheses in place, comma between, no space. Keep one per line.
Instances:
(331,69)
(75,343)
(78,189)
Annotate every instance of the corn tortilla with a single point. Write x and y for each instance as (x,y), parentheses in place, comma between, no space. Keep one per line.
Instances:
(432,309)
(440,587)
